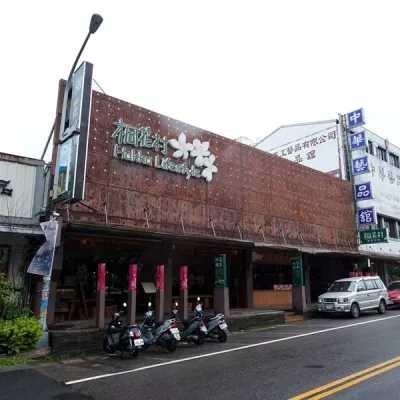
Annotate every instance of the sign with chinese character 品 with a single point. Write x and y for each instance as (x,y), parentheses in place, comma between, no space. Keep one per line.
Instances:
(374,236)
(360,165)
(355,118)
(297,271)
(134,144)
(358,140)
(220,280)
(366,216)
(363,191)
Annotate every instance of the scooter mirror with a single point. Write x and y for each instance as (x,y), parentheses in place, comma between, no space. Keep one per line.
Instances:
(176,304)
(124,304)
(149,304)
(198,299)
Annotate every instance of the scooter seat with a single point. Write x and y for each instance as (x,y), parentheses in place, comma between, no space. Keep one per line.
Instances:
(158,324)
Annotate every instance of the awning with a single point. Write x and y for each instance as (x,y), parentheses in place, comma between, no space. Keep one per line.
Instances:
(22,230)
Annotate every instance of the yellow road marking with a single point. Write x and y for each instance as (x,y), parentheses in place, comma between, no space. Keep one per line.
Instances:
(380,367)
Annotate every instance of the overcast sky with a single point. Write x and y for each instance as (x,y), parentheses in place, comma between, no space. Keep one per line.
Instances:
(236,68)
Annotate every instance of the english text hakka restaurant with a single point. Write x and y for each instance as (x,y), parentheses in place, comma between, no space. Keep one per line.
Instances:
(152,191)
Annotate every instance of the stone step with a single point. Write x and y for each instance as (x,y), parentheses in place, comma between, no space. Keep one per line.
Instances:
(293,318)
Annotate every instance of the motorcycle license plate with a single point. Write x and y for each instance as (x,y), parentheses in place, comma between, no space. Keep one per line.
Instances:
(223,326)
(138,342)
(203,328)
(174,331)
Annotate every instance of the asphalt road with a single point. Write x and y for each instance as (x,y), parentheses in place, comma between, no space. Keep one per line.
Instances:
(336,358)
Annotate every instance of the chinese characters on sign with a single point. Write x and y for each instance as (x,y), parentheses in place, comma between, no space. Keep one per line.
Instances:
(363,191)
(297,271)
(366,216)
(220,271)
(360,165)
(306,149)
(374,236)
(4,189)
(355,118)
(358,140)
(132,143)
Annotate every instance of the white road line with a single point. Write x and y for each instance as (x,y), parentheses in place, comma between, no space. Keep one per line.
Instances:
(216,353)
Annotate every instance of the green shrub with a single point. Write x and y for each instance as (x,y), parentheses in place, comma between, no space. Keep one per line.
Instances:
(21,334)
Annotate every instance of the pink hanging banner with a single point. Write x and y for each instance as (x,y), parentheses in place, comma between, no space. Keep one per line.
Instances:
(132,277)
(160,277)
(351,274)
(184,278)
(360,274)
(101,277)
(367,274)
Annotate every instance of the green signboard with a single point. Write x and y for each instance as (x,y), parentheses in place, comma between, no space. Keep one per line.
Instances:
(374,236)
(220,271)
(297,271)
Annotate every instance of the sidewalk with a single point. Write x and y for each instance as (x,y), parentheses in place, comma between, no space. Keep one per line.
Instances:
(22,383)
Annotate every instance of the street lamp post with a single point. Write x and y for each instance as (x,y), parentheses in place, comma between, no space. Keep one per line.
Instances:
(95,23)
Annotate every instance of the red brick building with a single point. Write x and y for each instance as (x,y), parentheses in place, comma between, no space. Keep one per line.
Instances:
(147,199)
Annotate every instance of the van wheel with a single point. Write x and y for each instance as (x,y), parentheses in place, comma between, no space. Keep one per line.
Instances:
(382,307)
(355,310)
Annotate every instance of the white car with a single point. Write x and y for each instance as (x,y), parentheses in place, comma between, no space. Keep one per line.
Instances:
(354,295)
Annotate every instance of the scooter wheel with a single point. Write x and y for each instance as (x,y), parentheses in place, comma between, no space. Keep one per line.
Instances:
(107,348)
(135,353)
(201,339)
(171,345)
(222,337)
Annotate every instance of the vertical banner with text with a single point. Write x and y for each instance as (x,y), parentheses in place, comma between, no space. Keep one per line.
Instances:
(220,280)
(101,277)
(160,277)
(132,277)
(184,281)
(297,271)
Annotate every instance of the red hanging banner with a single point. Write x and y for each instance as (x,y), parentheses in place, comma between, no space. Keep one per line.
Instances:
(132,277)
(160,277)
(184,282)
(101,277)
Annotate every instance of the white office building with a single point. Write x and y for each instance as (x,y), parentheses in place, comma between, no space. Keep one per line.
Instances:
(370,162)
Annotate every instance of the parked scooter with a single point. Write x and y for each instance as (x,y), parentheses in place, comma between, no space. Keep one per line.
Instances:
(216,326)
(194,329)
(124,338)
(166,335)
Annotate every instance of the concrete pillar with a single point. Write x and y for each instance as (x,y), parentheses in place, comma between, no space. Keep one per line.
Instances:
(221,301)
(160,292)
(100,296)
(55,275)
(132,280)
(307,283)
(249,279)
(299,299)
(167,260)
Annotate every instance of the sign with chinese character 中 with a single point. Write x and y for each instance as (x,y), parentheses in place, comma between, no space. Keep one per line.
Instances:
(374,236)
(220,280)
(366,216)
(363,191)
(358,140)
(133,145)
(355,118)
(297,271)
(360,165)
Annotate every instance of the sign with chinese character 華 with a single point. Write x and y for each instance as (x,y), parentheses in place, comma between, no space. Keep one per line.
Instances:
(297,271)
(220,280)
(190,159)
(374,236)
(363,191)
(360,165)
(358,140)
(366,216)
(355,118)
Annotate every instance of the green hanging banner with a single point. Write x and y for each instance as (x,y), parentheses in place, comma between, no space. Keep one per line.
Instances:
(220,271)
(297,271)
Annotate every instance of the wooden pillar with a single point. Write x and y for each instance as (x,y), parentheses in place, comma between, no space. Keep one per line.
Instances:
(249,278)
